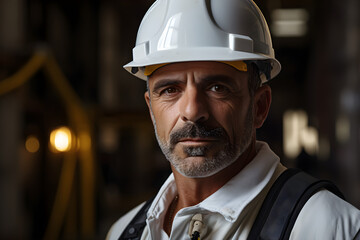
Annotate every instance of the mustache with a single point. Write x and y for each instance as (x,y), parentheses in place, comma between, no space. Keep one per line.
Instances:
(196,130)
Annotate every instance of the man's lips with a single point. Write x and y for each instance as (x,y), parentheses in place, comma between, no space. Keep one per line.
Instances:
(197,140)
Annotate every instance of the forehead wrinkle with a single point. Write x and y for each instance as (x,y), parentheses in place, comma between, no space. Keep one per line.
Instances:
(165,76)
(218,78)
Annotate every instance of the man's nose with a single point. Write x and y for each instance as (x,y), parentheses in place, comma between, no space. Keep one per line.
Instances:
(194,106)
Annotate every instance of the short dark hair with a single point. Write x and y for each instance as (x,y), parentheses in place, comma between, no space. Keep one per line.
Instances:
(254,80)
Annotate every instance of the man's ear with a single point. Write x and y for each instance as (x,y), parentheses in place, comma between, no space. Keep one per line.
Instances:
(262,102)
(147,99)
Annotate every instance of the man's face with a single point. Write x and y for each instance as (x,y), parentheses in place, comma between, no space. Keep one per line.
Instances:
(203,115)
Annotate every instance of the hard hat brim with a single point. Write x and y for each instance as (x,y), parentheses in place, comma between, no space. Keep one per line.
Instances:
(197,54)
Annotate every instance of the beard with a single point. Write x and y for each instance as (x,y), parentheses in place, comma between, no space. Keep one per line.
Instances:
(211,161)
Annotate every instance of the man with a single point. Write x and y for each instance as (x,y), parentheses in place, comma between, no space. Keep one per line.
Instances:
(206,64)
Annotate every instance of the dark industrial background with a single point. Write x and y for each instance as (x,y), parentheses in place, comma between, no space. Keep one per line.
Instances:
(61,65)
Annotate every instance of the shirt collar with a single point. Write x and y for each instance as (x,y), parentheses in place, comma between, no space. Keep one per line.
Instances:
(234,196)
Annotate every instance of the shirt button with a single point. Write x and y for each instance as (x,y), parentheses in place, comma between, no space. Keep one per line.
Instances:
(132,230)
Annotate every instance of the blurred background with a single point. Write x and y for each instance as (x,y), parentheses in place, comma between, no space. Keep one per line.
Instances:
(77,148)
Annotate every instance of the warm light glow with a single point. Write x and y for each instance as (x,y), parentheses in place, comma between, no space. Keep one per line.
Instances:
(310,140)
(294,122)
(32,144)
(298,135)
(60,139)
(289,22)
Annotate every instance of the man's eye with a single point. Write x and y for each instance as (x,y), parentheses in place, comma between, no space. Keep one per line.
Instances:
(219,88)
(169,91)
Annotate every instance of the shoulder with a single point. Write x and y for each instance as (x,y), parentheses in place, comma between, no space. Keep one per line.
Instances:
(118,227)
(326,216)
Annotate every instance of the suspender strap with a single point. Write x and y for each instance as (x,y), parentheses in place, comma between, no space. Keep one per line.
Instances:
(284,202)
(135,228)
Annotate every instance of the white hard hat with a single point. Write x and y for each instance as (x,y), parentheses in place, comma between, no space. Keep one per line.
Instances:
(203,30)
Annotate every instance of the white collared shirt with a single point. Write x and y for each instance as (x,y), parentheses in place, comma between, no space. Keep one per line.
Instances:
(230,212)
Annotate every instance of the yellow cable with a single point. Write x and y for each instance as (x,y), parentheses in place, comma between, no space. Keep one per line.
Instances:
(82,126)
(24,74)
(62,198)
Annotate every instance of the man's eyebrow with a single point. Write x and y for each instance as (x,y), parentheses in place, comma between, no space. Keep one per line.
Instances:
(205,80)
(165,82)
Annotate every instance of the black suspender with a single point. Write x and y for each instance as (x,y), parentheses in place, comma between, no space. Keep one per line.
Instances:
(135,228)
(283,203)
(277,215)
